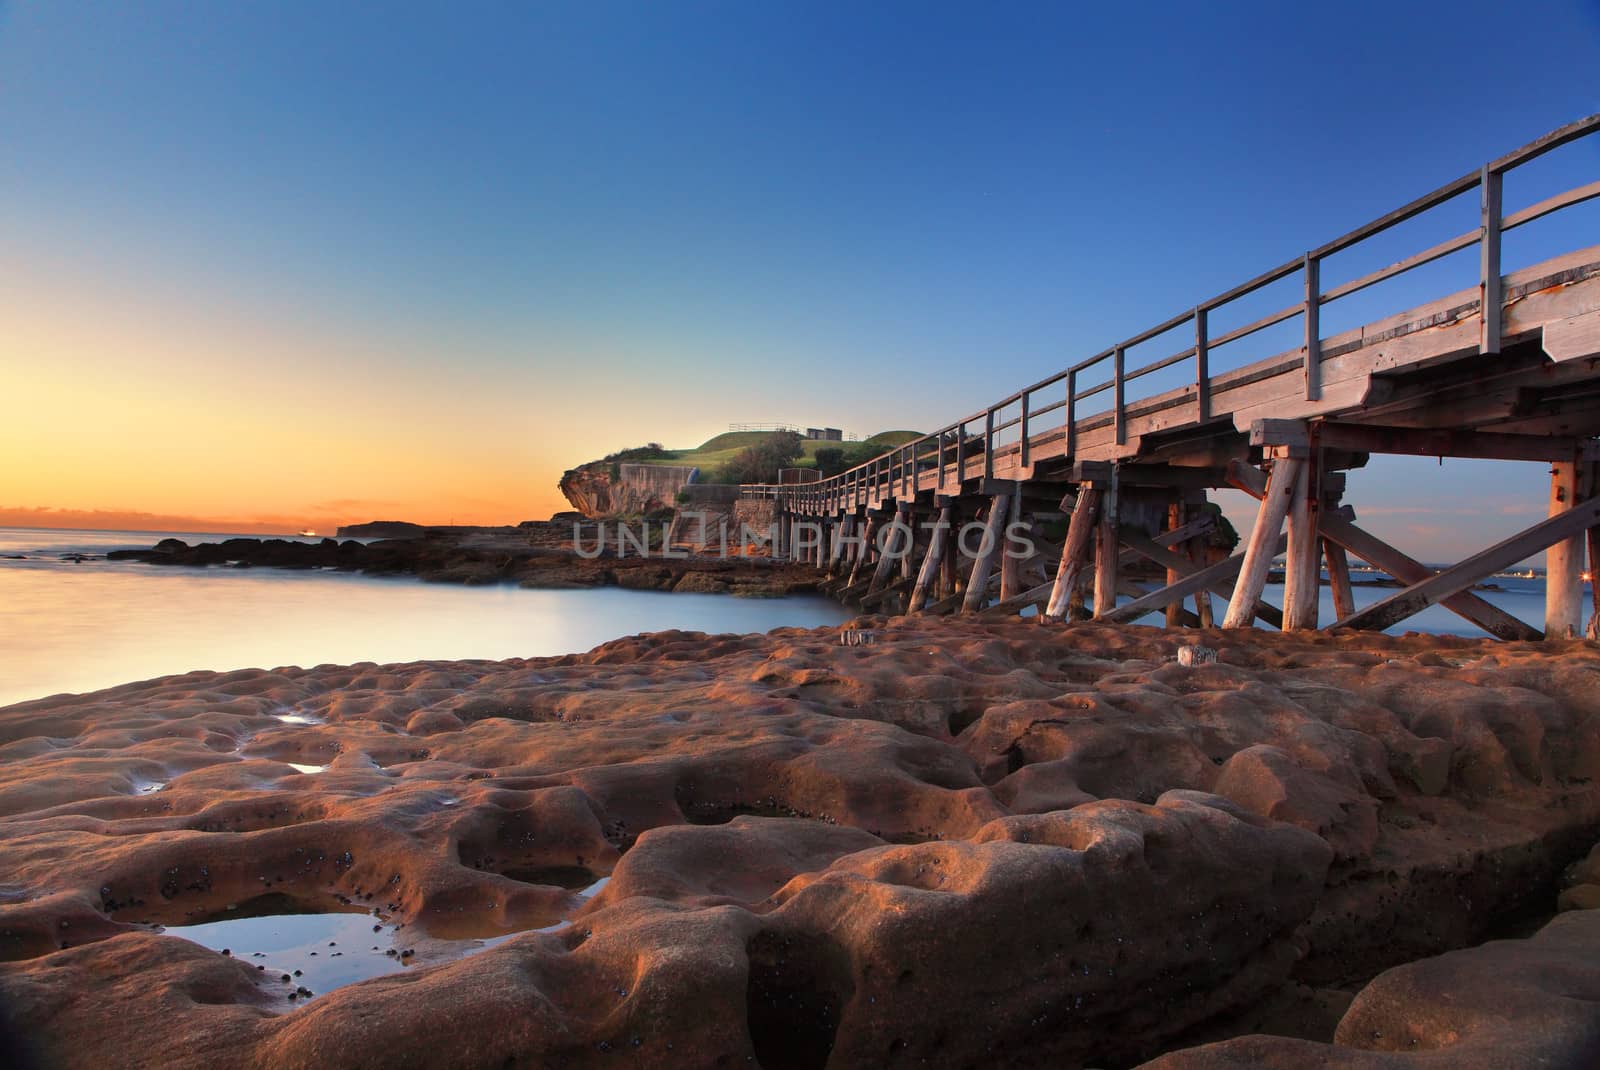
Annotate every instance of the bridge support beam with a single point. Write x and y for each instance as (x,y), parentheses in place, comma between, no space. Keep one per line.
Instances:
(1339,528)
(932,561)
(863,551)
(836,547)
(1205,579)
(988,551)
(950,581)
(1175,520)
(1010,559)
(1344,597)
(1107,550)
(1563,562)
(908,563)
(1566,524)
(1593,631)
(894,544)
(1182,568)
(1263,546)
(1302,590)
(1080,536)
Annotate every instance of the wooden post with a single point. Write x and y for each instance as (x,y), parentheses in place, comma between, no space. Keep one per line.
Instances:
(841,532)
(908,561)
(1344,598)
(1118,403)
(949,581)
(1202,604)
(1107,548)
(1263,542)
(1593,631)
(864,551)
(893,546)
(993,542)
(1174,522)
(1313,326)
(1011,563)
(1080,533)
(931,561)
(1563,562)
(1302,590)
(1489,285)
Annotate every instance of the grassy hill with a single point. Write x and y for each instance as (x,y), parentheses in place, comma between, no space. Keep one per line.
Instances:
(720,449)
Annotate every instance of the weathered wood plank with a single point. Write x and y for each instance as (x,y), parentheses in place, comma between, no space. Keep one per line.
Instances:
(873,598)
(1593,631)
(1201,580)
(864,551)
(1402,604)
(841,533)
(1106,549)
(1257,561)
(1337,527)
(1127,588)
(988,551)
(1174,522)
(1302,580)
(1010,561)
(931,561)
(1183,568)
(1563,562)
(893,548)
(1437,442)
(1344,598)
(1080,536)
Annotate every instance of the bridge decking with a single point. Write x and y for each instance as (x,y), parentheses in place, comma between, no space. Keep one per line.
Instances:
(1443,378)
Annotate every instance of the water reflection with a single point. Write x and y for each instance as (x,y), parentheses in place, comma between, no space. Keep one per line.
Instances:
(67,626)
(307,954)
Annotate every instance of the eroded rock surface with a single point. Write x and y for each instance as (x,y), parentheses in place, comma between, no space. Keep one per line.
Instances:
(962,844)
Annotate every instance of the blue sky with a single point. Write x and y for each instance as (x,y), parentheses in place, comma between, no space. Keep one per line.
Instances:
(528,234)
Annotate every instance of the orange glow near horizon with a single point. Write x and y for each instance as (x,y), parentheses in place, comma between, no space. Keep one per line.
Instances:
(133,412)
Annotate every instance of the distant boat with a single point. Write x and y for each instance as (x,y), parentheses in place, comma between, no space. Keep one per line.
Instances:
(308,534)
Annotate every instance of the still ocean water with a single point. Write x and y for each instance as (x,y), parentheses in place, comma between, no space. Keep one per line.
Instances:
(81,626)
(67,626)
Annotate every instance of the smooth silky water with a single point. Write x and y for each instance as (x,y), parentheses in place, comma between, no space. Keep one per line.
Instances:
(76,626)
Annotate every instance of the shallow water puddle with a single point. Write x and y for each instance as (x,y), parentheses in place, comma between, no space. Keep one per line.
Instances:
(317,952)
(305,768)
(296,718)
(310,954)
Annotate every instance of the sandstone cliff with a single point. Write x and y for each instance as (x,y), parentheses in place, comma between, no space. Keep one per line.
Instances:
(603,488)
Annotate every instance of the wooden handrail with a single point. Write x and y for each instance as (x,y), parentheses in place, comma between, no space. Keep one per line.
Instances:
(903,464)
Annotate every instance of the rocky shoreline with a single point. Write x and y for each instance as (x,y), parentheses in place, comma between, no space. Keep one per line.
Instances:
(538,555)
(959,843)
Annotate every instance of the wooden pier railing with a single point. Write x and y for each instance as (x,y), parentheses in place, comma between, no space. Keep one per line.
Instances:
(1009,437)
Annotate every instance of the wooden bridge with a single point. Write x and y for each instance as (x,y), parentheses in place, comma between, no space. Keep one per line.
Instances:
(1097,478)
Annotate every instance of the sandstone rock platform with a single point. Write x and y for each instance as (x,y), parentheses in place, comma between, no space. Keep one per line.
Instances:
(963,844)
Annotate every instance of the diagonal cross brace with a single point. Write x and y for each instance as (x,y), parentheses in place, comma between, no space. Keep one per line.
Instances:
(1402,604)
